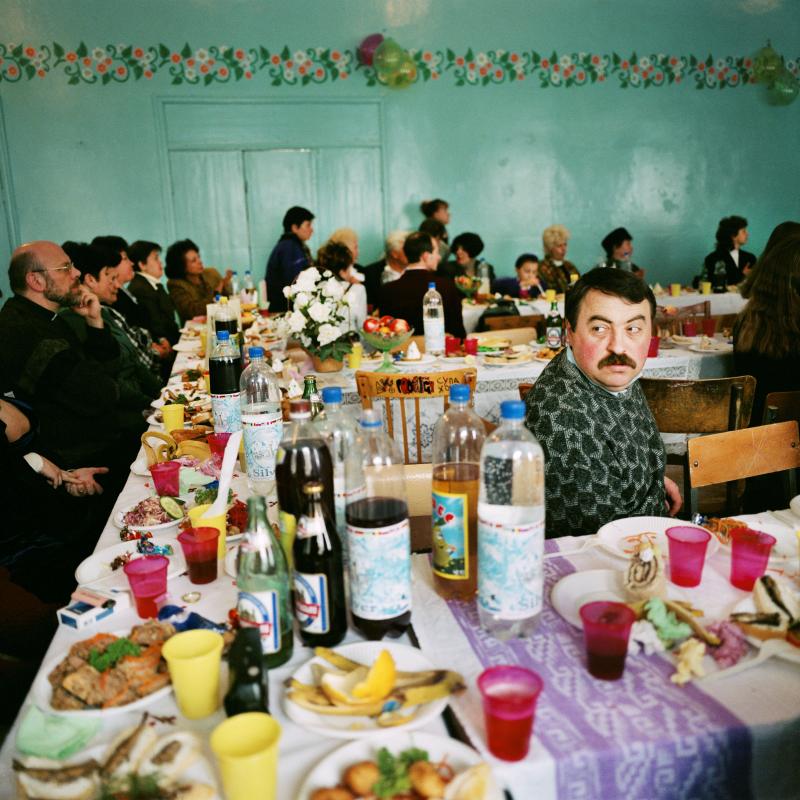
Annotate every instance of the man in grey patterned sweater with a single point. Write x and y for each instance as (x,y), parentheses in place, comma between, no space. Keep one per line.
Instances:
(604,458)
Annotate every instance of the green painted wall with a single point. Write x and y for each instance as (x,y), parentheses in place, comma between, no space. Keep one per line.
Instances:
(666,161)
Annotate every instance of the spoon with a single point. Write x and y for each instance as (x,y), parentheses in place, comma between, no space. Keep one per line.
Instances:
(220,505)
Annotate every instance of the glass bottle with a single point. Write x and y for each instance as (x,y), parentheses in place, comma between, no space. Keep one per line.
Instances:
(311,393)
(554,327)
(249,685)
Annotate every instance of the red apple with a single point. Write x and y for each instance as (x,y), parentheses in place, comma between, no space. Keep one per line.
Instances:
(371,324)
(386,320)
(399,326)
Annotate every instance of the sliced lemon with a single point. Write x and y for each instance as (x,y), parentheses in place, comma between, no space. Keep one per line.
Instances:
(339,688)
(380,679)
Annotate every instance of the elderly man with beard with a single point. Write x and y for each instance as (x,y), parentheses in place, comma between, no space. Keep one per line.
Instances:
(604,458)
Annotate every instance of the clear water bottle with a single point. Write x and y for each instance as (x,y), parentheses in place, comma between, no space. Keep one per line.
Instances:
(262,422)
(224,375)
(457,441)
(379,537)
(433,321)
(485,277)
(511,527)
(339,430)
(235,284)
(248,281)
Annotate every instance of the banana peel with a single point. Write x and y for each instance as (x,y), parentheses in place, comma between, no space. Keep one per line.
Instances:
(343,664)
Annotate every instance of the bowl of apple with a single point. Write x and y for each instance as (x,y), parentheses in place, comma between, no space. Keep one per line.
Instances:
(384,334)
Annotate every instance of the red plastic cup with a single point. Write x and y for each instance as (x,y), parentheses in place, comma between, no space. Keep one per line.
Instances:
(652,351)
(166,478)
(606,629)
(147,577)
(690,329)
(200,550)
(452,344)
(217,442)
(749,556)
(509,703)
(471,346)
(687,554)
(709,327)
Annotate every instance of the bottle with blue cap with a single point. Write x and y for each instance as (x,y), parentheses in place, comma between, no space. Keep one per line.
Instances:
(262,423)
(224,374)
(457,441)
(433,321)
(511,527)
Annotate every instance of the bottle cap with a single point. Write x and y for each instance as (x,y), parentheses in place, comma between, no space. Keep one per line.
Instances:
(432,285)
(512,409)
(371,418)
(299,409)
(331,394)
(459,393)
(223,336)
(256,352)
(313,487)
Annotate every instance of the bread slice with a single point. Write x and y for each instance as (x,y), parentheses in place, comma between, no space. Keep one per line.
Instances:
(773,596)
(170,756)
(127,749)
(43,779)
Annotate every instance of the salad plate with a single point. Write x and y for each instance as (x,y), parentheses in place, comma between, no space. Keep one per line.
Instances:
(119,518)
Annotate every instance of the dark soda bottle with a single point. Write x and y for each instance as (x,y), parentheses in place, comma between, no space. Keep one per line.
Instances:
(249,687)
(320,606)
(554,328)
(224,373)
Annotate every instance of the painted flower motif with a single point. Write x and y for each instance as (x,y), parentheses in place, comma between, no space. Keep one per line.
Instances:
(565,60)
(482,59)
(300,56)
(201,55)
(98,54)
(634,79)
(644,62)
(87,73)
(555,79)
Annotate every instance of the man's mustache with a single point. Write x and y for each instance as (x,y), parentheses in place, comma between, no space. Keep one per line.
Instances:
(617,359)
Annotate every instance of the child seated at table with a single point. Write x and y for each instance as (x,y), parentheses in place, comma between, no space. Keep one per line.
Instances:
(527,283)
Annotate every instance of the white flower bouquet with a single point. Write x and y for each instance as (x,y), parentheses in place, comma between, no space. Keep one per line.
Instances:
(319,315)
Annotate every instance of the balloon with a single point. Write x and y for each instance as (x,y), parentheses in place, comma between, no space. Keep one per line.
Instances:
(403,76)
(366,50)
(784,89)
(388,57)
(766,64)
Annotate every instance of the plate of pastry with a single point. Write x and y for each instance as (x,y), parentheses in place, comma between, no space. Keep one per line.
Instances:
(622,537)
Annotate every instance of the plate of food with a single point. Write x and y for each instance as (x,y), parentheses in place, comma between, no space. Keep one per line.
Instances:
(401,763)
(547,354)
(108,673)
(151,513)
(425,359)
(105,566)
(493,344)
(685,341)
(359,689)
(187,346)
(784,549)
(516,354)
(622,537)
(711,346)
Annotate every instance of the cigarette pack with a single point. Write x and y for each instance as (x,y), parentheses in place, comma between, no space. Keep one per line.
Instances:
(80,615)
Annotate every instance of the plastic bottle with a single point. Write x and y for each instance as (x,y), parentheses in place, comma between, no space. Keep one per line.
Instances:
(433,320)
(379,537)
(262,580)
(224,374)
(457,440)
(320,606)
(485,277)
(225,320)
(235,283)
(262,422)
(511,527)
(554,327)
(248,282)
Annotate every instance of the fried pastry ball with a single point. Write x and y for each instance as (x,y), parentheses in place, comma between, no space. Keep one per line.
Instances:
(425,780)
(361,778)
(337,793)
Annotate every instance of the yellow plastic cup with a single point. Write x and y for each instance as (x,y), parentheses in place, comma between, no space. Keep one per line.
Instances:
(705,287)
(246,748)
(675,289)
(354,356)
(172,414)
(193,659)
(550,295)
(203,342)
(573,278)
(219,522)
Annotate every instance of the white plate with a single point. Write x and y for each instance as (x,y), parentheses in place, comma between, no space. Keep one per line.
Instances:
(425,358)
(685,341)
(329,771)
(451,359)
(164,526)
(579,588)
(405,657)
(42,691)
(714,347)
(526,359)
(192,346)
(621,536)
(783,649)
(543,360)
(96,567)
(139,467)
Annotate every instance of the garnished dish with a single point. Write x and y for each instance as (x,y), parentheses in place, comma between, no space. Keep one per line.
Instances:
(784,550)
(516,354)
(493,344)
(152,513)
(547,353)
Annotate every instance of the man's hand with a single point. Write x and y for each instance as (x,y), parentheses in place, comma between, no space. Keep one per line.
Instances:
(674,499)
(52,473)
(81,482)
(89,308)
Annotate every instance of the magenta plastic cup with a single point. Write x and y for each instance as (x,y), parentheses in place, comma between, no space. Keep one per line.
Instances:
(218,442)
(690,329)
(749,556)
(148,579)
(687,554)
(509,703)
(166,478)
(200,550)
(652,351)
(606,629)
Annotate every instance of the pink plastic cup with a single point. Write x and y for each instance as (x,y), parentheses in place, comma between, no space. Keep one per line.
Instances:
(687,554)
(147,577)
(749,556)
(166,478)
(217,442)
(509,703)
(690,329)
(606,629)
(200,550)
(652,351)
(471,346)
(709,327)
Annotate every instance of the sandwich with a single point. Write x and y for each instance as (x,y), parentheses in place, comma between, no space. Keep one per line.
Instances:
(645,576)
(760,625)
(42,779)
(170,756)
(773,596)
(128,749)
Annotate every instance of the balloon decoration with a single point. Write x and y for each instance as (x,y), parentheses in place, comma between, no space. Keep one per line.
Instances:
(394,66)
(784,89)
(366,50)
(781,84)
(767,64)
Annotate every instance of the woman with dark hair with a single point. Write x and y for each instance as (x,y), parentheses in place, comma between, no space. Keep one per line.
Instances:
(618,247)
(338,258)
(731,236)
(779,233)
(188,284)
(466,249)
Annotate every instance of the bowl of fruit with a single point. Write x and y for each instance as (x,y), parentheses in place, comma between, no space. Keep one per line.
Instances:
(468,285)
(384,334)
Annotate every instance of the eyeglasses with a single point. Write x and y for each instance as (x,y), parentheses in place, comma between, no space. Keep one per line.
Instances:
(69,265)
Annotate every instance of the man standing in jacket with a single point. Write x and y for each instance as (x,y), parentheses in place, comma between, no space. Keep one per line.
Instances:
(290,256)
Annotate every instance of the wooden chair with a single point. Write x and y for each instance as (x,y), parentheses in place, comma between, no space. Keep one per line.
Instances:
(508,323)
(724,322)
(782,407)
(732,456)
(705,406)
(404,387)
(514,335)
(524,388)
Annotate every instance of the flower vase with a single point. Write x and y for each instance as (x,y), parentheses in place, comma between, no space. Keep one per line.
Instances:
(326,364)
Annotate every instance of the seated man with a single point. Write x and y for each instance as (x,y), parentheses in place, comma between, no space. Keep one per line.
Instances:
(146,287)
(403,298)
(527,283)
(290,256)
(604,458)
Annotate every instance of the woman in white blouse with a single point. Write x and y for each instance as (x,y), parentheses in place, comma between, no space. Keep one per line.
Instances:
(338,258)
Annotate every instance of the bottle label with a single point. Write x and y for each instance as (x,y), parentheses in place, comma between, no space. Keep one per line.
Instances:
(311,605)
(262,435)
(380,570)
(451,535)
(511,577)
(342,496)
(434,334)
(261,610)
(287,525)
(227,413)
(553,336)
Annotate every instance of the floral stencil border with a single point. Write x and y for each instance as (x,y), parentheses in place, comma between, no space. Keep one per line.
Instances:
(121,63)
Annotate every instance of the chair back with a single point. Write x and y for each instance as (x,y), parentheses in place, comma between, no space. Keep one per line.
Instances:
(409,387)
(524,388)
(514,335)
(509,323)
(782,407)
(673,322)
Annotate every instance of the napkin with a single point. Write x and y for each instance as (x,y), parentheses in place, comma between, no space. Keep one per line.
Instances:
(56,737)
(190,477)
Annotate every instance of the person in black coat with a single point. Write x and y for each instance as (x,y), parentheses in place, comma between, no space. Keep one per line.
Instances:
(731,236)
(290,256)
(150,293)
(126,303)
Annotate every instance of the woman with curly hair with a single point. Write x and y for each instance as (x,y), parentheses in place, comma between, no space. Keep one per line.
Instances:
(338,258)
(554,269)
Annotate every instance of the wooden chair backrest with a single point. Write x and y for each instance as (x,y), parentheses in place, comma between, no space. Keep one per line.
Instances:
(524,388)
(508,323)
(673,322)
(514,335)
(734,455)
(407,386)
(695,310)
(711,405)
(724,321)
(782,407)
